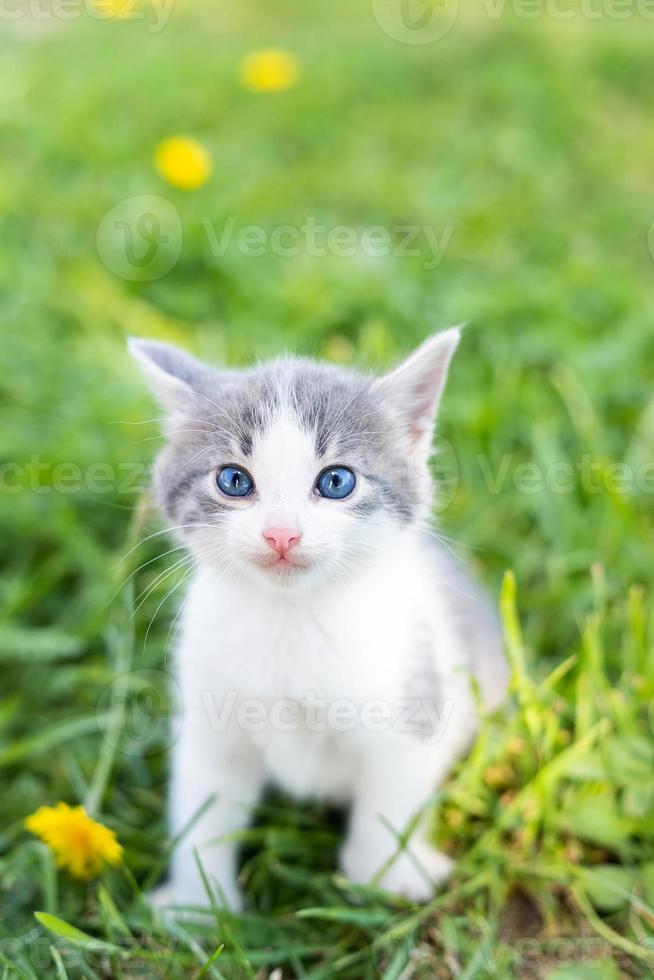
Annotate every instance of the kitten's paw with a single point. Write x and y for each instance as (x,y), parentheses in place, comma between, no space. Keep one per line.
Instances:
(417,875)
(414,876)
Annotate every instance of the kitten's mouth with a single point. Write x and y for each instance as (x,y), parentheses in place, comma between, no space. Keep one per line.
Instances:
(283,565)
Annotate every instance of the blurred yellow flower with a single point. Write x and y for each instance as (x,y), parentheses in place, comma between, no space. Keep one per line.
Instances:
(499,774)
(339,349)
(183,162)
(455,818)
(118,9)
(80,844)
(269,70)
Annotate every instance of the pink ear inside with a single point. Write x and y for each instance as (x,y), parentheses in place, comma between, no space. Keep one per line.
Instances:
(416,386)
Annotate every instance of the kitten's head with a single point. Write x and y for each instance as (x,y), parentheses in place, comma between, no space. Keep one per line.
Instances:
(294,473)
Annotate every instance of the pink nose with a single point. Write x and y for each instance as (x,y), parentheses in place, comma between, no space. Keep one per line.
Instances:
(282,539)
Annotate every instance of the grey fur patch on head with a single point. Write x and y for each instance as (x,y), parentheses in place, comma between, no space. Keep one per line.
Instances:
(216,417)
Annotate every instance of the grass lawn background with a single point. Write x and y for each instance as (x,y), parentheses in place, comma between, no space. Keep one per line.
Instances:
(533,141)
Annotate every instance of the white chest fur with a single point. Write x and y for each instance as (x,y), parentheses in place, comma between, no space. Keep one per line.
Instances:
(308,679)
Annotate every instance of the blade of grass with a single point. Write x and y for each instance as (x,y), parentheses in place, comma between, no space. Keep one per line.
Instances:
(59,963)
(120,644)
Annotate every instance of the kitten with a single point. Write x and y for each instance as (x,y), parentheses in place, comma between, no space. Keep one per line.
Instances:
(327,641)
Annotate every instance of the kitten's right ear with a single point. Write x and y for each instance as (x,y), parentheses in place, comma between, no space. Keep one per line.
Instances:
(172,374)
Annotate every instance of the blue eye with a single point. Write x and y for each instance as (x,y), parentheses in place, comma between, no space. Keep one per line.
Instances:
(336,482)
(235,482)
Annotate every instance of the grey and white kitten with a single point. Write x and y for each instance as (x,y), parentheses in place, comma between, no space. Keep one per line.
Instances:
(327,642)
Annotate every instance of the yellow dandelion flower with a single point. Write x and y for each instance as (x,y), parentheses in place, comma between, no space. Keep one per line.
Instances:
(269,70)
(183,162)
(81,845)
(116,9)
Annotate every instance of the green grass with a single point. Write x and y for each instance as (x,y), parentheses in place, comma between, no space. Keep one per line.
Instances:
(533,141)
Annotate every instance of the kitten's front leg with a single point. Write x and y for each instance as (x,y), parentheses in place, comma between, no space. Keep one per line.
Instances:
(205,763)
(397,778)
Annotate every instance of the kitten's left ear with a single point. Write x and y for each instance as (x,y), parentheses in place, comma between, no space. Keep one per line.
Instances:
(414,388)
(173,375)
